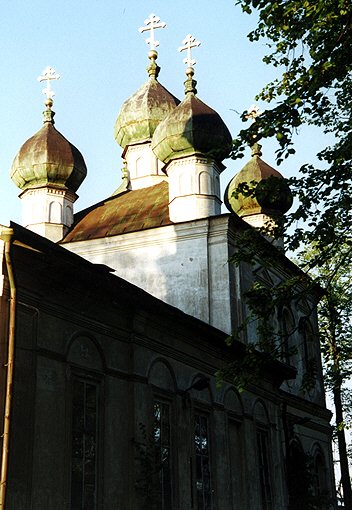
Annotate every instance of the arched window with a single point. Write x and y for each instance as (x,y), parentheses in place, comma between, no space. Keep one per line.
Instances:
(85,388)
(263,455)
(298,478)
(319,483)
(287,329)
(161,377)
(309,355)
(202,454)
(234,410)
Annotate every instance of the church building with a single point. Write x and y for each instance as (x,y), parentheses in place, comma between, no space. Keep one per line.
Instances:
(115,326)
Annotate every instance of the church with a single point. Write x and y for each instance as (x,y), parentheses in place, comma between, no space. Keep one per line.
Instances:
(115,323)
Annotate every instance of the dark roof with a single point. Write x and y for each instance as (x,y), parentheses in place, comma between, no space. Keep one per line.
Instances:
(130,211)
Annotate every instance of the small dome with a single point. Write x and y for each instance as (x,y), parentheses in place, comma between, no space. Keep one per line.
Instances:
(48,158)
(144,110)
(272,193)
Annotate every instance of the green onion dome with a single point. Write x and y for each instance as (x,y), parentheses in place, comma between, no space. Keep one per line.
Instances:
(271,196)
(144,110)
(47,158)
(192,128)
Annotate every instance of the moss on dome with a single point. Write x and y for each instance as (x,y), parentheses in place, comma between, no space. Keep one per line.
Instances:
(142,112)
(48,158)
(192,128)
(268,190)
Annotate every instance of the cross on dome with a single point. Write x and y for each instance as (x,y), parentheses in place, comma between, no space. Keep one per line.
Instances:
(48,75)
(188,43)
(253,112)
(152,23)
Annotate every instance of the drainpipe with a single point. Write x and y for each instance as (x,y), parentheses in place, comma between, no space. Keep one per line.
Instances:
(7,235)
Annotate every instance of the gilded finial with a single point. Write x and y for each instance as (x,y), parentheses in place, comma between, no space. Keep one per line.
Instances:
(256,149)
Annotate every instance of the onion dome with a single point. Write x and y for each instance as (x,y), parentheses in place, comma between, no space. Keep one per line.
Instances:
(48,159)
(272,195)
(192,128)
(145,109)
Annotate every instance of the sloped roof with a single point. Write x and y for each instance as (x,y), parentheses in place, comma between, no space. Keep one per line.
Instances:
(61,277)
(130,211)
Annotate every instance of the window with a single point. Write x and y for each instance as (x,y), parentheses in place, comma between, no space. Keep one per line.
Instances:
(163,455)
(202,462)
(235,454)
(84,444)
(298,478)
(287,330)
(309,341)
(319,477)
(264,473)
(310,359)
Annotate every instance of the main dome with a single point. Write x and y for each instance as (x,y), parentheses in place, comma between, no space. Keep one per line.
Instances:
(48,158)
(144,110)
(192,128)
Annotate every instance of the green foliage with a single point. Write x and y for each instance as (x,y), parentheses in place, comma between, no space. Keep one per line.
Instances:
(335,313)
(311,42)
(244,370)
(335,322)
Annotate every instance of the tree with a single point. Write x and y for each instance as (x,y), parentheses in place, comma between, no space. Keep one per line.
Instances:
(311,40)
(335,324)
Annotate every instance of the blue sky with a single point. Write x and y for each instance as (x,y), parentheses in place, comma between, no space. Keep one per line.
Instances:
(96,48)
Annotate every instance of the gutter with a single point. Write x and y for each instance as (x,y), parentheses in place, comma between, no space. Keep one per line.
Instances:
(6,235)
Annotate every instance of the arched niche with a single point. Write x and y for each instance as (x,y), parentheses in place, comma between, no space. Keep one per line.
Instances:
(319,471)
(232,402)
(84,352)
(55,212)
(260,413)
(204,183)
(298,477)
(68,219)
(141,166)
(161,375)
(202,395)
(309,337)
(287,327)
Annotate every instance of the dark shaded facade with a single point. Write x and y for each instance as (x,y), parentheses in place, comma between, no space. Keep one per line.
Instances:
(115,403)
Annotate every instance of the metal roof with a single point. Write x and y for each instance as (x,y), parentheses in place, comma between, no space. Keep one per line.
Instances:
(130,211)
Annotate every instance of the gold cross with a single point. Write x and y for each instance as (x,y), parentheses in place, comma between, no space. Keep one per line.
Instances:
(47,75)
(189,42)
(152,23)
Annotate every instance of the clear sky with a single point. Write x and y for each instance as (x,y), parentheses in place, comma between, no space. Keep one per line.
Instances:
(96,48)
